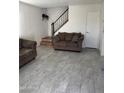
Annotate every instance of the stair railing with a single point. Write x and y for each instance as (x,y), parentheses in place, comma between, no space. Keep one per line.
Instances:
(63,18)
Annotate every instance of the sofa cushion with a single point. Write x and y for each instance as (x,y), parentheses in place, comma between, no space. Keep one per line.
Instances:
(78,34)
(68,36)
(62,36)
(75,38)
(25,51)
(60,43)
(71,44)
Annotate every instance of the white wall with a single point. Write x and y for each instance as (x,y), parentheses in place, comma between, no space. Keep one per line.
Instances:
(31,25)
(102,45)
(54,13)
(77,17)
(102,30)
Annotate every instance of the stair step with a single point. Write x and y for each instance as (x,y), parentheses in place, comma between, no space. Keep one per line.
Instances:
(46,41)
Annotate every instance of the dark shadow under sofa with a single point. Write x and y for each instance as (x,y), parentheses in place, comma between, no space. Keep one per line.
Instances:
(68,41)
(27,51)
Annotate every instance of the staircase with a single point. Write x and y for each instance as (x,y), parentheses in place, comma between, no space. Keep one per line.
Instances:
(63,19)
(55,26)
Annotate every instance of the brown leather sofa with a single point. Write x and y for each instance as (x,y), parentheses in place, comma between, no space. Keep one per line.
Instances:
(27,51)
(68,41)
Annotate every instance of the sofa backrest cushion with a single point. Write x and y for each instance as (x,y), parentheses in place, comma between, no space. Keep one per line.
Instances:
(62,36)
(76,36)
(68,36)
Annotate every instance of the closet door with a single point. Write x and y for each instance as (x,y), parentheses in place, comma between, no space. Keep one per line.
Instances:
(92,30)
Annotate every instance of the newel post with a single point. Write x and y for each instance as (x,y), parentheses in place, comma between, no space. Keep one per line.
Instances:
(52,28)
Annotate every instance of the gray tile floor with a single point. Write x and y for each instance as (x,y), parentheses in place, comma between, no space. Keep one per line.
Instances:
(63,72)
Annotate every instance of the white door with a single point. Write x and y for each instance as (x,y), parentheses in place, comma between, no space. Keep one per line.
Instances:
(92,30)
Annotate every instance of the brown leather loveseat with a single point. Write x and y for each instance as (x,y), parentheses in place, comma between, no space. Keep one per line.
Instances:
(68,41)
(27,51)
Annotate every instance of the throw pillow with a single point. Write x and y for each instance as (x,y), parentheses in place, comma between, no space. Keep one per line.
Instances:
(75,38)
(62,36)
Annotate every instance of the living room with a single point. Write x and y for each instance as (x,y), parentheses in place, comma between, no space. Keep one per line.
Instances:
(58,42)
(47,69)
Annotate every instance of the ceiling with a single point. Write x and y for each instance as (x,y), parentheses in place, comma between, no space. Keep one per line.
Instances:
(56,3)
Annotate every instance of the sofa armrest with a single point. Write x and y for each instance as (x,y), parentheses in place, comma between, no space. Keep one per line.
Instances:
(29,44)
(56,38)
